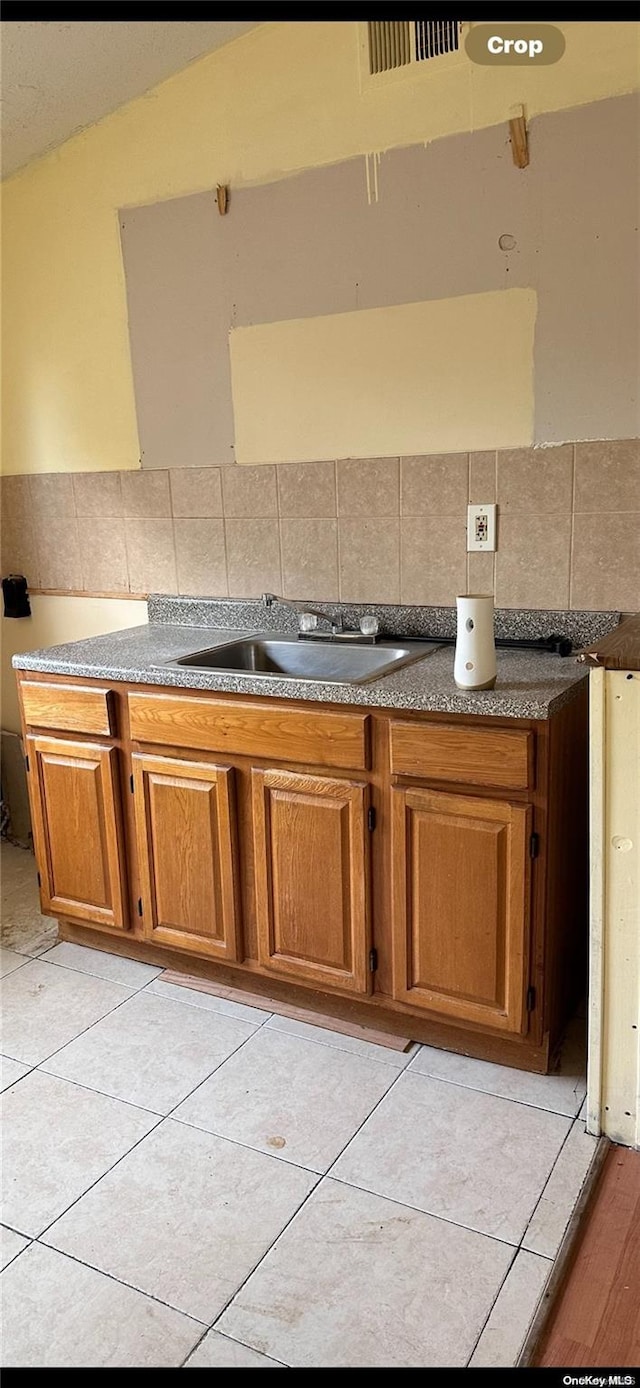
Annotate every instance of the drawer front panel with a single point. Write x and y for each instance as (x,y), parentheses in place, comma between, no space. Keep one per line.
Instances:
(72,708)
(470,756)
(286,734)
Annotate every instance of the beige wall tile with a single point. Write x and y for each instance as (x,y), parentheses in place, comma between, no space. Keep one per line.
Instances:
(480,572)
(103,555)
(52,494)
(151,555)
(200,557)
(309,558)
(15,500)
(146,493)
(369,560)
(434,559)
(606,561)
(196,491)
(368,487)
(97,494)
(532,561)
(307,489)
(435,485)
(253,557)
(250,491)
(535,479)
(608,476)
(18,552)
(58,552)
(482,476)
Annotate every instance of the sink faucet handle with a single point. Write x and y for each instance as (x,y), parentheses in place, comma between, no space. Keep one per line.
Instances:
(369,625)
(269,599)
(307,621)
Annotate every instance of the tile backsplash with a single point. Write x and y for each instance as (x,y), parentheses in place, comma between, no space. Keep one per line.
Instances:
(379,530)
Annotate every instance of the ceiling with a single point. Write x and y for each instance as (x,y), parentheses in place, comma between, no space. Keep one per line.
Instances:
(57,78)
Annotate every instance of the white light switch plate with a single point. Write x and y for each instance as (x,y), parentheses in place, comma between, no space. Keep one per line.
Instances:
(481,526)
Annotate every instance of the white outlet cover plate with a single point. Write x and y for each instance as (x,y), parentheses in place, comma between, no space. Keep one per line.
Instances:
(481,526)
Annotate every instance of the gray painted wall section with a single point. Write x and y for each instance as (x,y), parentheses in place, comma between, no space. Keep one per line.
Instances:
(312,244)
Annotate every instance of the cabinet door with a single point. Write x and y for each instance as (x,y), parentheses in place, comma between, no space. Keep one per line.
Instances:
(186,836)
(312,878)
(77,830)
(460,874)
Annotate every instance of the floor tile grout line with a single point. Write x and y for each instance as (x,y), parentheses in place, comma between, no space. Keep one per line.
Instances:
(86,973)
(551,1171)
(84,1031)
(141,1107)
(490,1311)
(91,1089)
(330,1045)
(246,1146)
(541,1195)
(118,1280)
(231,1016)
(294,1216)
(266,1253)
(200,1083)
(99,1178)
(524,1103)
(510,1268)
(429,1214)
(232,1340)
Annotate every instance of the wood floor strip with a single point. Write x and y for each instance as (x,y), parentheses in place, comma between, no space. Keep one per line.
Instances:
(595,1322)
(285,1009)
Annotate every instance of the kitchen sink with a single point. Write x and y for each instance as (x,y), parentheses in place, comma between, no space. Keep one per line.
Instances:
(332,661)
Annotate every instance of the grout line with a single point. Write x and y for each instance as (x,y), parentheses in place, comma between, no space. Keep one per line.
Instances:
(523,1103)
(428,1214)
(119,1281)
(571,531)
(85,973)
(233,1341)
(491,1308)
(91,1089)
(542,1192)
(237,1142)
(266,1253)
(331,1045)
(46,1058)
(62,1214)
(338,543)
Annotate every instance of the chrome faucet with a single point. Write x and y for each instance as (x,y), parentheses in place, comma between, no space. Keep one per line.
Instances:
(304,611)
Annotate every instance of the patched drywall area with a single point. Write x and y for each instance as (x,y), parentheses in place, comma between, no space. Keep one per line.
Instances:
(451,219)
(458,372)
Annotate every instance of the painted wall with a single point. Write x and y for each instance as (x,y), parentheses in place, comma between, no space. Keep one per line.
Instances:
(53,621)
(282,98)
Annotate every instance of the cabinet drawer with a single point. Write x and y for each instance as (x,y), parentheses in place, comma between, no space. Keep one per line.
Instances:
(471,756)
(281,734)
(74,708)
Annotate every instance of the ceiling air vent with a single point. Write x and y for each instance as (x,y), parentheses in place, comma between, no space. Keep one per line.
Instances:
(400,43)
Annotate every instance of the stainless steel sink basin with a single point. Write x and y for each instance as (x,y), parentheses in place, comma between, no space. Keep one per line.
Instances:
(330,661)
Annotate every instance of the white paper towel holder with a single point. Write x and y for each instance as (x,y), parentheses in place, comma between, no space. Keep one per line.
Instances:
(474,665)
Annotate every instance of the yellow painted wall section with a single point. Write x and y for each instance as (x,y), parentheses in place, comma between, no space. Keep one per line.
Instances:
(385,382)
(284,97)
(53,621)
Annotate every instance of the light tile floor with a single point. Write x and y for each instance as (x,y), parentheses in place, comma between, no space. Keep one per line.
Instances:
(191,1181)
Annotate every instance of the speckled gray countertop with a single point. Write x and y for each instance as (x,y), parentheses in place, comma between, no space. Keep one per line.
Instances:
(530,684)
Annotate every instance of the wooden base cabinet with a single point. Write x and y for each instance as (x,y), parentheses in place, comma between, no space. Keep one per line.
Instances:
(460,875)
(312,878)
(419,873)
(77,830)
(187,854)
